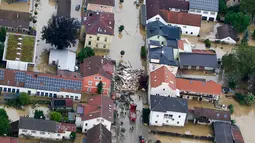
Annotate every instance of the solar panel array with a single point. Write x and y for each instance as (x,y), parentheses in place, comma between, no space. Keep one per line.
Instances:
(47,83)
(1,74)
(208,5)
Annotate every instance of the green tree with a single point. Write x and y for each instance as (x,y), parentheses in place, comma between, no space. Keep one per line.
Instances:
(239,21)
(2,34)
(4,123)
(248,6)
(245,39)
(253,35)
(143,52)
(85,53)
(122,52)
(207,43)
(249,99)
(1,51)
(36,4)
(146,115)
(223,7)
(100,87)
(121,28)
(56,116)
(61,32)
(23,98)
(73,135)
(39,114)
(231,108)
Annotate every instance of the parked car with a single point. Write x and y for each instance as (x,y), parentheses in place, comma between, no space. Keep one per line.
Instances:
(77,8)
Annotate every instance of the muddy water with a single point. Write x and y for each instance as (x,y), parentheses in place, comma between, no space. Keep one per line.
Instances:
(166,139)
(131,39)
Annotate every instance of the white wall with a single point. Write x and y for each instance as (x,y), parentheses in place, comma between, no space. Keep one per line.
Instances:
(156,17)
(158,119)
(187,29)
(228,40)
(78,121)
(164,90)
(39,134)
(74,96)
(88,124)
(207,14)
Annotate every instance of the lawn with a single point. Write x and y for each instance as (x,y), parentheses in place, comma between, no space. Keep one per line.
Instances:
(27,48)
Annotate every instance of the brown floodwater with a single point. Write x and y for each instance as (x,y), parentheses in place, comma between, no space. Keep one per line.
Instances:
(131,39)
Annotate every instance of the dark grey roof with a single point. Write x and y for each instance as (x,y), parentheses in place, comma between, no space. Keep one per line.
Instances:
(154,43)
(222,132)
(38,124)
(143,16)
(64,8)
(208,5)
(157,28)
(225,31)
(163,104)
(14,19)
(164,54)
(197,59)
(99,134)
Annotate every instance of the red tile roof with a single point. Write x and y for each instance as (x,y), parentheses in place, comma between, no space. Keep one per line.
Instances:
(99,23)
(180,44)
(69,102)
(9,140)
(98,106)
(209,87)
(62,127)
(202,51)
(237,135)
(162,74)
(181,18)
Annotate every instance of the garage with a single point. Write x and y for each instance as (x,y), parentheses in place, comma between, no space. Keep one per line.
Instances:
(204,18)
(211,19)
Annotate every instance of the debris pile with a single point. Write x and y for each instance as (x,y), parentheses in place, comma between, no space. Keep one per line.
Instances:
(127,78)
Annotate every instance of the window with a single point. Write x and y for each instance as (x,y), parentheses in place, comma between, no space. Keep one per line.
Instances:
(67,96)
(99,78)
(186,32)
(192,10)
(86,124)
(173,119)
(29,92)
(97,45)
(89,43)
(179,116)
(169,116)
(24,130)
(76,97)
(58,134)
(85,130)
(50,94)
(37,93)
(198,11)
(205,12)
(95,77)
(156,121)
(157,115)
(17,91)
(104,84)
(55,95)
(93,125)
(13,90)
(90,36)
(104,46)
(191,33)
(164,89)
(9,89)
(158,37)
(1,89)
(46,94)
(98,120)
(42,133)
(5,89)
(96,83)
(177,122)
(89,89)
(98,38)
(184,26)
(212,13)
(33,131)
(42,93)
(89,82)
(105,39)
(71,96)
(167,121)
(102,120)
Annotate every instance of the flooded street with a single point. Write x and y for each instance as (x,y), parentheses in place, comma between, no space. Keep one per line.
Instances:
(131,39)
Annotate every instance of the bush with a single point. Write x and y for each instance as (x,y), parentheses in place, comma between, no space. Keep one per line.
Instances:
(35,12)
(253,35)
(207,43)
(233,121)
(249,99)
(121,28)
(143,52)
(36,5)
(231,108)
(239,98)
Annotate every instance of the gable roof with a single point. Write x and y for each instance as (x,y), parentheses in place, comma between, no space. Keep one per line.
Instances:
(64,8)
(157,28)
(99,23)
(98,106)
(164,104)
(162,55)
(208,5)
(198,86)
(213,114)
(102,2)
(38,124)
(237,135)
(63,127)
(14,19)
(97,65)
(225,31)
(198,59)
(153,6)
(182,18)
(162,75)
(9,140)
(222,132)
(99,134)
(56,102)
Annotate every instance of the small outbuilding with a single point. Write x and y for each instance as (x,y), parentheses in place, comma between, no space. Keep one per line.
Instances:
(227,34)
(63,59)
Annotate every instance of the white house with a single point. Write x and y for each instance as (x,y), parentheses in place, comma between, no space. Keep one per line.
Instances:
(45,129)
(227,34)
(39,84)
(162,82)
(207,8)
(99,109)
(64,59)
(189,23)
(168,111)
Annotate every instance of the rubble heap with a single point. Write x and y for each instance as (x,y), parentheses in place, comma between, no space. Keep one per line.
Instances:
(127,78)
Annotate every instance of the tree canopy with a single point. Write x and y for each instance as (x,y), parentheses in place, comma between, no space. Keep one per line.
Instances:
(4,122)
(223,7)
(61,31)
(1,51)
(248,6)
(2,34)
(239,21)
(100,87)
(39,114)
(56,116)
(24,98)
(249,99)
(85,53)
